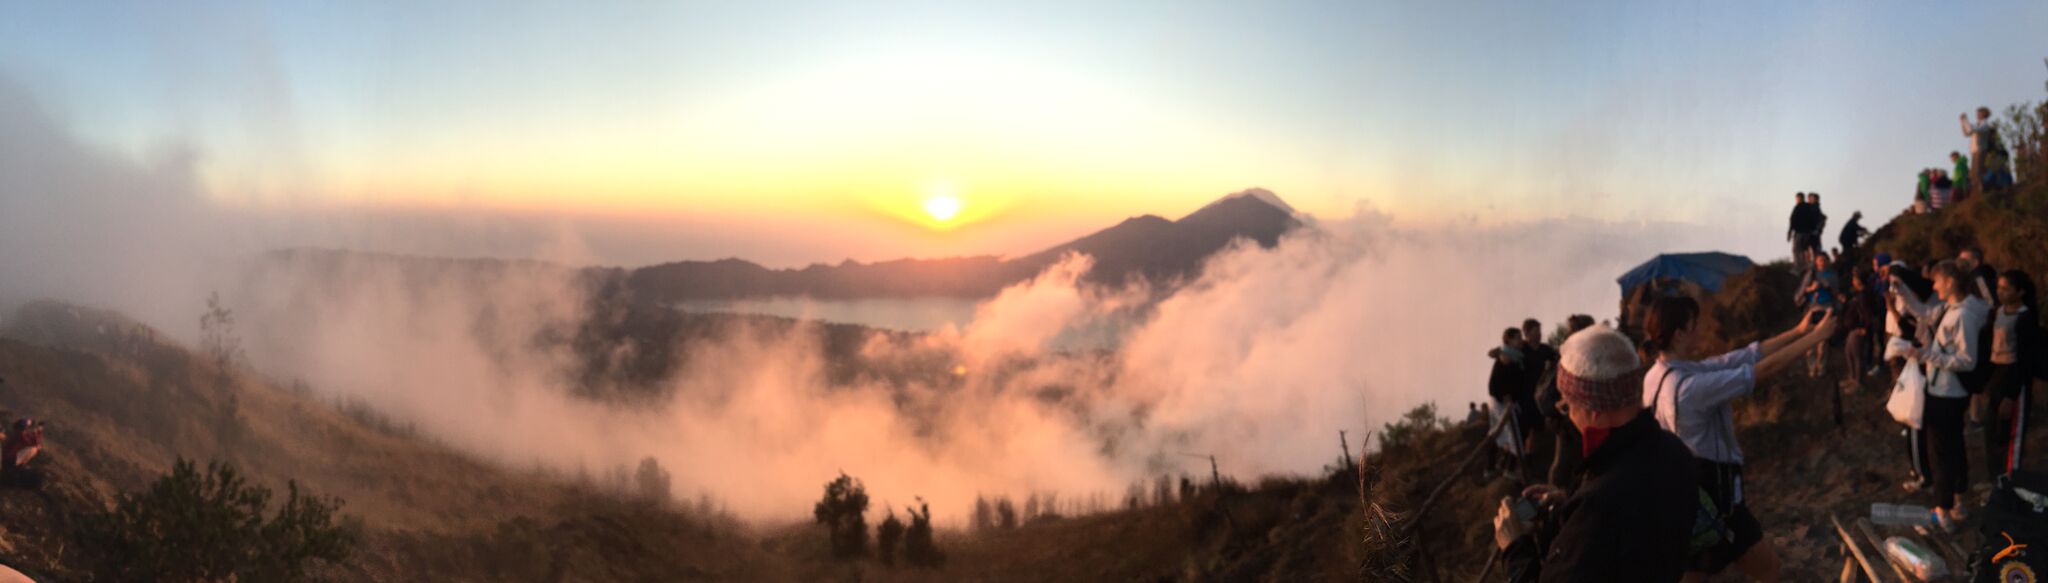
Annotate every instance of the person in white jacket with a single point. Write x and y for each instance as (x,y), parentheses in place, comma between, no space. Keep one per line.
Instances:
(1948,349)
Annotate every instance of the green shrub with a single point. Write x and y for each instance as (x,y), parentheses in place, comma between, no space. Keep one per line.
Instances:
(190,526)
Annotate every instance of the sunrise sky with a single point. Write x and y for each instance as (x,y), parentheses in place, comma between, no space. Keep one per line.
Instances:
(793,132)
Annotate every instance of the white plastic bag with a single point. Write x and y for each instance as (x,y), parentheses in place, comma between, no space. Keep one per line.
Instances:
(1909,396)
(1508,439)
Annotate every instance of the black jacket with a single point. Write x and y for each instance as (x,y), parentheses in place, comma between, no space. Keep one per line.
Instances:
(1852,234)
(1630,520)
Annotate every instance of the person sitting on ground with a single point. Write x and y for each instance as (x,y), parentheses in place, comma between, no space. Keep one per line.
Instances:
(1631,518)
(22,444)
(1691,393)
(2016,344)
(1948,352)
(1852,232)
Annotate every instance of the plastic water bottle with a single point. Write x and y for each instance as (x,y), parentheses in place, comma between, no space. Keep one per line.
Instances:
(1900,514)
(1924,563)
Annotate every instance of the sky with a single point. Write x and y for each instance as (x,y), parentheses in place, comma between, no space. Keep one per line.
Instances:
(798,132)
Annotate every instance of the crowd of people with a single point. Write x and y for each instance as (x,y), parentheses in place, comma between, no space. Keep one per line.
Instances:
(1646,480)
(1940,187)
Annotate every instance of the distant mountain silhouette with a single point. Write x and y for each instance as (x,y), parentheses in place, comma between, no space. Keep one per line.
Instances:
(1147,248)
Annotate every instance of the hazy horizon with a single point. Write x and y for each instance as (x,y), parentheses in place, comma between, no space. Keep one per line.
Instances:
(810,133)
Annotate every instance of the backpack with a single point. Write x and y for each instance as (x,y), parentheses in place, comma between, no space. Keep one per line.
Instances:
(1709,522)
(1979,377)
(2015,530)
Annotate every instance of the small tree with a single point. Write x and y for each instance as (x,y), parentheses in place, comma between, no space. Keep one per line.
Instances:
(652,482)
(918,546)
(841,511)
(984,517)
(887,536)
(211,527)
(1006,514)
(217,333)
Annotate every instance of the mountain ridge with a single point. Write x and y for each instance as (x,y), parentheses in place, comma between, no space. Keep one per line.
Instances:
(1145,248)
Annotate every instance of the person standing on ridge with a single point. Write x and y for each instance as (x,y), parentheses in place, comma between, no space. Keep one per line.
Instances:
(1962,169)
(1980,134)
(1513,392)
(1820,221)
(1948,351)
(2015,360)
(1690,394)
(1631,518)
(1852,233)
(1805,216)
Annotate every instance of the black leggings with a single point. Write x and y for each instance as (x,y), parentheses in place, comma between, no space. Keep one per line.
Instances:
(2009,388)
(1947,455)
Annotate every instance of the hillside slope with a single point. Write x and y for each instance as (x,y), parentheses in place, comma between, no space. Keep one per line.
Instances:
(121,406)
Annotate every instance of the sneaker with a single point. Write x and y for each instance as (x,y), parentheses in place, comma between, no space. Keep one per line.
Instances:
(1912,486)
(1946,521)
(1873,371)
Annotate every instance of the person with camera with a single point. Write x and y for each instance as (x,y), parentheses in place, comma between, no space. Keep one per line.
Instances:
(1690,394)
(1949,350)
(1631,517)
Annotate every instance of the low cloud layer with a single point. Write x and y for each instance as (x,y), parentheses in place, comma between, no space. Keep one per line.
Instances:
(1260,362)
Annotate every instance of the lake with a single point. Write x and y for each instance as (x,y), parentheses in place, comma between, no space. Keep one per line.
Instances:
(922,314)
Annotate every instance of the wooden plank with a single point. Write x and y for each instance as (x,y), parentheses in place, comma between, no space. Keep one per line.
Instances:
(1856,552)
(1849,571)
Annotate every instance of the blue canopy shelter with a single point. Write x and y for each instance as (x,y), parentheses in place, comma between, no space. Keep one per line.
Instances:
(1703,269)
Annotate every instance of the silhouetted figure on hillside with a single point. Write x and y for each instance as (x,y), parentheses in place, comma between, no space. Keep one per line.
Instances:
(1852,233)
(1981,135)
(1513,392)
(1804,217)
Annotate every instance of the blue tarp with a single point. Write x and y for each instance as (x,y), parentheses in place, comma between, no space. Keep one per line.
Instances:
(1705,269)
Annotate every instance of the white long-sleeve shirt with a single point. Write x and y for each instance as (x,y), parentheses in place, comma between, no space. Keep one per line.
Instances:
(1951,348)
(1692,401)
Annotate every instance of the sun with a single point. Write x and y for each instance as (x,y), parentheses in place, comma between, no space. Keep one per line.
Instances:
(942,207)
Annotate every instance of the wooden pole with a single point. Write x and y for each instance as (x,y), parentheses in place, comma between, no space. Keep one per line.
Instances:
(1856,551)
(1870,533)
(1346,444)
